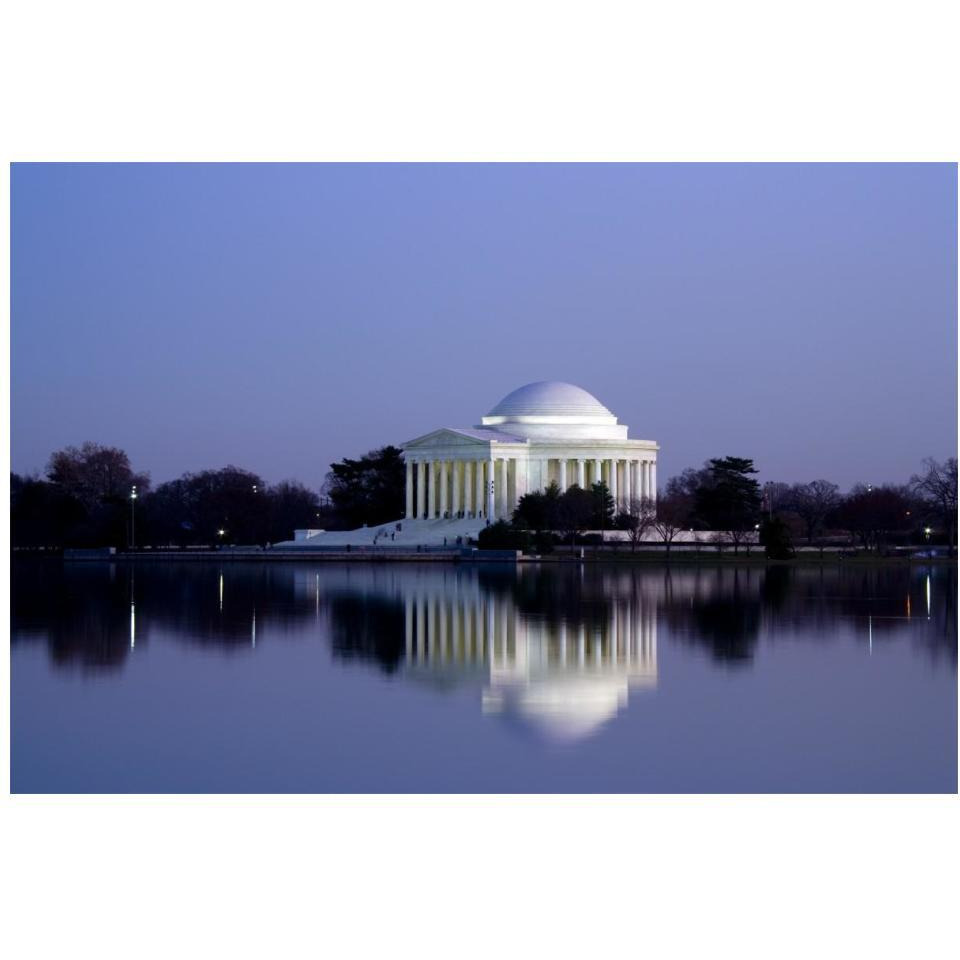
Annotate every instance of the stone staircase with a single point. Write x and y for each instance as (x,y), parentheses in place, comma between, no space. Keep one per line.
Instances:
(427,533)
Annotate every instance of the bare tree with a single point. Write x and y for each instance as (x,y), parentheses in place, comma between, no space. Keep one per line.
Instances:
(937,487)
(95,474)
(738,535)
(674,508)
(870,513)
(640,517)
(812,503)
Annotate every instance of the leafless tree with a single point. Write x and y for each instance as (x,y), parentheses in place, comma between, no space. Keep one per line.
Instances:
(738,536)
(674,508)
(937,487)
(812,503)
(95,474)
(640,517)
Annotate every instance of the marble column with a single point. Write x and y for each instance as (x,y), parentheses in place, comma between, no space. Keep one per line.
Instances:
(491,502)
(521,479)
(409,507)
(614,488)
(478,489)
(635,480)
(421,489)
(581,478)
(457,467)
(653,480)
(468,507)
(597,471)
(444,487)
(431,489)
(563,475)
(504,506)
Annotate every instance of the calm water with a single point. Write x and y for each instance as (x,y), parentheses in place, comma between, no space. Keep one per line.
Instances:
(403,677)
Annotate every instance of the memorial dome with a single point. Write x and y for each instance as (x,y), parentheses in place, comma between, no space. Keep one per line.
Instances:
(552,409)
(550,398)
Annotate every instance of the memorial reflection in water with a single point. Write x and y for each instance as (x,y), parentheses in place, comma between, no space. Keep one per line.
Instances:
(565,667)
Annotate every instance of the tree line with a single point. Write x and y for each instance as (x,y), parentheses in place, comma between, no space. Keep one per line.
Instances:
(724,496)
(91,496)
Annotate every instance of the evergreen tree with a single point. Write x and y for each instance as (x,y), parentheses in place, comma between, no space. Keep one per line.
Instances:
(369,490)
(775,538)
(538,510)
(728,499)
(577,510)
(603,507)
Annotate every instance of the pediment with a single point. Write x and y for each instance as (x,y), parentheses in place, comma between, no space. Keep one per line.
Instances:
(445,437)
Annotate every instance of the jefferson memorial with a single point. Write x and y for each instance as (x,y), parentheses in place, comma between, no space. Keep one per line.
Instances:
(458,479)
(542,433)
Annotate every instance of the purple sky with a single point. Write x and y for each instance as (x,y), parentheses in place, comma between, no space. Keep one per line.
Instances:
(278,317)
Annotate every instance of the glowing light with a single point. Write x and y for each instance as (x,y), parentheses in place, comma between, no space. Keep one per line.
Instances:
(133,625)
(870,634)
(220,533)
(221,593)
(928,596)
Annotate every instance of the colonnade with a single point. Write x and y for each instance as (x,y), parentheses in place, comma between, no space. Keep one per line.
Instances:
(454,488)
(492,488)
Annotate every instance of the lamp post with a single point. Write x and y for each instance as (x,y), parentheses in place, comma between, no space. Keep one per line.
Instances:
(768,489)
(926,533)
(133,516)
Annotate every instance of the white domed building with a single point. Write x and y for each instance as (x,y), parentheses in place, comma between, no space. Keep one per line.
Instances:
(459,479)
(542,433)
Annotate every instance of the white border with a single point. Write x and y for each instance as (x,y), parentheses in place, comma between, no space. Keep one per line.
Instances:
(471,876)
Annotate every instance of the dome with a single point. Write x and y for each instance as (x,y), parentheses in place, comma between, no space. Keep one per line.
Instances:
(550,398)
(553,410)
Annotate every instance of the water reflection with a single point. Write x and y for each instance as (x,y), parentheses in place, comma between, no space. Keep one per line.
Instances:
(366,677)
(534,637)
(561,669)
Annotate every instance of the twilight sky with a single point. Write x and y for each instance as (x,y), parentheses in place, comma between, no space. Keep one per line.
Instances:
(278,317)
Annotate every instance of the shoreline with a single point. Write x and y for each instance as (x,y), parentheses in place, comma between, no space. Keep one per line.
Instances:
(469,555)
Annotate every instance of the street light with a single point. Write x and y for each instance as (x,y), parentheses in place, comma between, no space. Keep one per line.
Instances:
(133,517)
(926,533)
